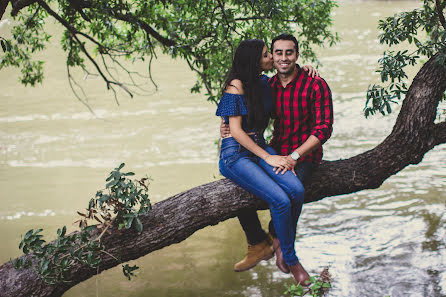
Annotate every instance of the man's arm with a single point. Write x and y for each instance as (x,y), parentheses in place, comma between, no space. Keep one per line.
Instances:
(322,109)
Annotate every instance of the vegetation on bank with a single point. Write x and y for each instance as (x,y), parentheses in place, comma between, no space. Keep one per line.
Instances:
(119,206)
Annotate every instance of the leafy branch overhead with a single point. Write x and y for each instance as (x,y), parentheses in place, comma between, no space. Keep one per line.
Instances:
(121,205)
(204,33)
(402,27)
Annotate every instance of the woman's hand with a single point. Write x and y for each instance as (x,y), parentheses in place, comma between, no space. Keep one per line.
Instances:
(224,129)
(311,70)
(278,162)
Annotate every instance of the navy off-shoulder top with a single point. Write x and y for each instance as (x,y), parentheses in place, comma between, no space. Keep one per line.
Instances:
(234,105)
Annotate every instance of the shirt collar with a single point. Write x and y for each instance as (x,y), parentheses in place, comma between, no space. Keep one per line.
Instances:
(275,80)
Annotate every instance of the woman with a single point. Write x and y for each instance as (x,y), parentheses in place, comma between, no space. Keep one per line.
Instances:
(245,158)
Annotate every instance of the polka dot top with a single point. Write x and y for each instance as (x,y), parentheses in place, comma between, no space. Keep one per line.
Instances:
(234,105)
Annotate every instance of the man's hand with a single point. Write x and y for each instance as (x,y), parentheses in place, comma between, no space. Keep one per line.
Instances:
(224,129)
(291,163)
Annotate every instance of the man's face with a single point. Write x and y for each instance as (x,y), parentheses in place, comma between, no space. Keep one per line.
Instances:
(284,56)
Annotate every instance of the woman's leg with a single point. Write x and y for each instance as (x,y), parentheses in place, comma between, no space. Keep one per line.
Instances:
(290,184)
(250,176)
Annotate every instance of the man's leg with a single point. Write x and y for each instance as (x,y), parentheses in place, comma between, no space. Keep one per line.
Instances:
(259,243)
(249,220)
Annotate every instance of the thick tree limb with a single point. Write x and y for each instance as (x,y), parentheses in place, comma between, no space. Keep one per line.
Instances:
(17,5)
(3,5)
(176,218)
(440,133)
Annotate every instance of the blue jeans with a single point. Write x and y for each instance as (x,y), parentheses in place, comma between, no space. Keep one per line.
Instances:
(249,220)
(283,193)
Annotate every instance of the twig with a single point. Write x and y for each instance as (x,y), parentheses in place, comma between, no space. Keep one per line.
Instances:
(440,13)
(71,79)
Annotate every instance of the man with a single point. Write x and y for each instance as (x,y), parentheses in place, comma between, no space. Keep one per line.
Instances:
(303,121)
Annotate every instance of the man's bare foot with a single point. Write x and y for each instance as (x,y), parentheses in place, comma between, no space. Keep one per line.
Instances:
(300,274)
(280,262)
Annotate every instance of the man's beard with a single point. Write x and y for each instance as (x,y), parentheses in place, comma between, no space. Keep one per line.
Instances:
(286,72)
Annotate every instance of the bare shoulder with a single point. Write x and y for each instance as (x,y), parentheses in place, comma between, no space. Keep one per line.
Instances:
(235,87)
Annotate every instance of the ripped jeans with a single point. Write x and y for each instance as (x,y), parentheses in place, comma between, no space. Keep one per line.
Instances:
(283,193)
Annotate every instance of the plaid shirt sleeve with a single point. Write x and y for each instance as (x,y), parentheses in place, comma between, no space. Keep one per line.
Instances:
(322,106)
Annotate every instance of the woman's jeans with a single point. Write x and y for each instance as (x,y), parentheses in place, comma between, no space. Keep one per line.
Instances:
(249,220)
(284,193)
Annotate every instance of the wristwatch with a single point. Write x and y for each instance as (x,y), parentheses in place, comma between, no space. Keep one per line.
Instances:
(295,156)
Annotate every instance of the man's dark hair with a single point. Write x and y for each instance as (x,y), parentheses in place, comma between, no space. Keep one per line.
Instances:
(285,36)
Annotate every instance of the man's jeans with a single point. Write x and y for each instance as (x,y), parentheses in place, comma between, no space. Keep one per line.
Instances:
(284,193)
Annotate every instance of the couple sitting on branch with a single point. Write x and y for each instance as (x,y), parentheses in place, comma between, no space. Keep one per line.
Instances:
(301,105)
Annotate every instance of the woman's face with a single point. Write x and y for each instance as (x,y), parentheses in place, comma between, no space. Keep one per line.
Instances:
(266,61)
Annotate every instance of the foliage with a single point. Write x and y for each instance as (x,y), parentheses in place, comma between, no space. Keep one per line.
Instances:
(402,27)
(120,206)
(318,286)
(204,33)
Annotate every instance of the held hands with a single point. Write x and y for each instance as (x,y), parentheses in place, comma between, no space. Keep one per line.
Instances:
(224,129)
(279,163)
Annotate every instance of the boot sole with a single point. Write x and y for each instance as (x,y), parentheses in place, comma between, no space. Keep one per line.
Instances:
(267,257)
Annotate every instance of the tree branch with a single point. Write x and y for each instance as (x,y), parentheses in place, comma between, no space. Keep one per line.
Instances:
(440,133)
(73,32)
(17,5)
(440,13)
(3,6)
(146,27)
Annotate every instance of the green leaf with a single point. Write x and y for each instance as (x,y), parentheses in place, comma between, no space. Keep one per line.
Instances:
(138,225)
(129,270)
(129,222)
(28,234)
(112,183)
(90,228)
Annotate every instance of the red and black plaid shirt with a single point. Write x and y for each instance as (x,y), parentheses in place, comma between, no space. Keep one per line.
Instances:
(303,108)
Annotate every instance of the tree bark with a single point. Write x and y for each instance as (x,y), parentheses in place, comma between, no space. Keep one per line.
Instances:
(176,218)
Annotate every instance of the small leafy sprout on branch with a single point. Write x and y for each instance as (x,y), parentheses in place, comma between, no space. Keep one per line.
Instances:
(119,205)
(318,286)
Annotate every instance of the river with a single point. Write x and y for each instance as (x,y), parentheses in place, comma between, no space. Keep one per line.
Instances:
(55,154)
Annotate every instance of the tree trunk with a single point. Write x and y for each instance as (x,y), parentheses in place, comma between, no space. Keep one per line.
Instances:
(176,218)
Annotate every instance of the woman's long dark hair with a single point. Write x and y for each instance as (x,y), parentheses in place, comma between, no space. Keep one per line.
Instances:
(246,66)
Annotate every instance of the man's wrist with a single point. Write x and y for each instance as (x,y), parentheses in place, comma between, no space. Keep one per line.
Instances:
(295,156)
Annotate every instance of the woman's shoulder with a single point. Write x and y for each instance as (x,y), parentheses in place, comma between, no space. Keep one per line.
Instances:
(264,77)
(235,87)
(264,80)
